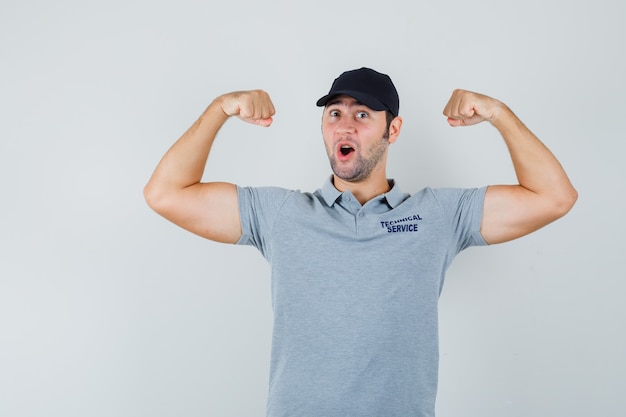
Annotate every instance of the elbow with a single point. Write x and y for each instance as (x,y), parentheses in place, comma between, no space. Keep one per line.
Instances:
(565,202)
(153,197)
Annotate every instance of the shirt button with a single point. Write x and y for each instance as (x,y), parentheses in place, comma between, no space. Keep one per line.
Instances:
(361,214)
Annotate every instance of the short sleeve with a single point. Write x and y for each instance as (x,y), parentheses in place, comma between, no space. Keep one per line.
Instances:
(464,209)
(258,209)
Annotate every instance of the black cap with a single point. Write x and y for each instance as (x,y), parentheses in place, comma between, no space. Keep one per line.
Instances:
(373,89)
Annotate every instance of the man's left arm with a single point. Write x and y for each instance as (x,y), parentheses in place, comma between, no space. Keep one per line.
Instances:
(544,192)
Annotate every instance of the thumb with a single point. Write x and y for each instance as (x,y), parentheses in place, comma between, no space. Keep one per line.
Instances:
(263,122)
(469,121)
(455,122)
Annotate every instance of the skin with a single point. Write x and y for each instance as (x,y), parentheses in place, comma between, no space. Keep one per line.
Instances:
(346,122)
(542,195)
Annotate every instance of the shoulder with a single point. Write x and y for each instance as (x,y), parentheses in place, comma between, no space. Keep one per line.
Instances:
(447,195)
(448,200)
(272,196)
(264,190)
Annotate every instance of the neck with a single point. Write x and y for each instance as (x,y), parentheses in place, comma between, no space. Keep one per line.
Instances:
(364,190)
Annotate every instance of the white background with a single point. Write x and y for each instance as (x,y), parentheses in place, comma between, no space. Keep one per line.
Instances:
(108,310)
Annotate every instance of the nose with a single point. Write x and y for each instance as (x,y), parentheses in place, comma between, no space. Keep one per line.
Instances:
(346,125)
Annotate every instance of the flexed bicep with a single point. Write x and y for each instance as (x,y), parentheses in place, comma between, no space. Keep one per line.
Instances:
(210,210)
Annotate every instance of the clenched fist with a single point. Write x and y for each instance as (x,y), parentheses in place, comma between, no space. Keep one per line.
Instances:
(466,108)
(254,106)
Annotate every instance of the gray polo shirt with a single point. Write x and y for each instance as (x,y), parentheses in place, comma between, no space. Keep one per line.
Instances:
(355,290)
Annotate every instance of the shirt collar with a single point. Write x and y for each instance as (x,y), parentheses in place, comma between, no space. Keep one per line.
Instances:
(330,194)
(395,196)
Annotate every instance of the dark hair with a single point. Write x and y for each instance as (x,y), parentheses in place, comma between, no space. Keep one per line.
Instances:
(389,117)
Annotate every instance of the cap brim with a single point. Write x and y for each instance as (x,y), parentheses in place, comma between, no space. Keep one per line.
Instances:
(371,102)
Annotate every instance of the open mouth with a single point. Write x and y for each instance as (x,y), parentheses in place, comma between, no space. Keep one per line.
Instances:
(346,150)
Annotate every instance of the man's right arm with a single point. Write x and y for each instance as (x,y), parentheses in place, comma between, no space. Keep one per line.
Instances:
(175,192)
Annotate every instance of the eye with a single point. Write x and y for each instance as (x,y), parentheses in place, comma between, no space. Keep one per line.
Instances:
(361,115)
(333,113)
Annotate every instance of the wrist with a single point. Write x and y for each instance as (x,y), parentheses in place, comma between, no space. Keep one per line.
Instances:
(216,111)
(502,116)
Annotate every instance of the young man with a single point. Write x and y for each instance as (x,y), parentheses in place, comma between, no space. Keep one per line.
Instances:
(358,266)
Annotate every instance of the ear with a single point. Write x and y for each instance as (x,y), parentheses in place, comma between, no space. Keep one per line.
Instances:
(394,129)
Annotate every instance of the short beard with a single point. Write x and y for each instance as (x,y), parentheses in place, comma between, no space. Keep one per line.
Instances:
(363,166)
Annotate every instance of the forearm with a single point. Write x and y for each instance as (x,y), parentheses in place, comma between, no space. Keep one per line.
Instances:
(536,168)
(183,164)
